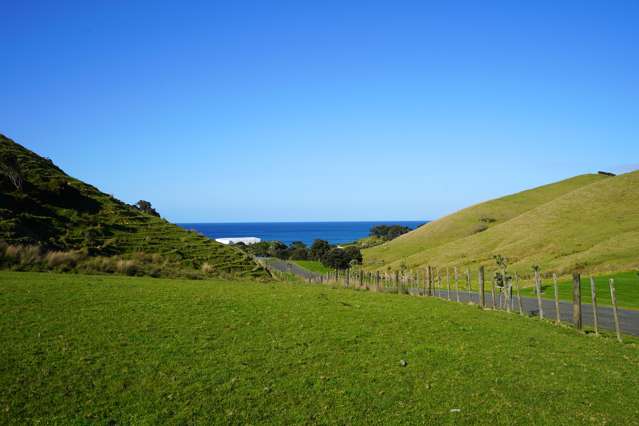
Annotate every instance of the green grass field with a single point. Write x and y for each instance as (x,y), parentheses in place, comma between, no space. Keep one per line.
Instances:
(312,265)
(589,222)
(107,349)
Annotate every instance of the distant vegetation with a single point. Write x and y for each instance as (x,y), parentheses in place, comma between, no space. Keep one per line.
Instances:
(388,232)
(145,206)
(331,256)
(51,221)
(588,223)
(380,234)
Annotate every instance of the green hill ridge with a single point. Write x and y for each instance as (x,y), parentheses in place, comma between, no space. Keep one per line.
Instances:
(59,212)
(588,222)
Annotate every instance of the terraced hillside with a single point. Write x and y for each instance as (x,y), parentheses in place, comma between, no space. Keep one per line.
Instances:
(59,212)
(589,222)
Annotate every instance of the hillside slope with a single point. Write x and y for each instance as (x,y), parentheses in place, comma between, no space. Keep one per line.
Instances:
(589,222)
(59,212)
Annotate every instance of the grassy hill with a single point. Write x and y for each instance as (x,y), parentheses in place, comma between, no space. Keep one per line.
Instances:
(589,222)
(58,212)
(215,352)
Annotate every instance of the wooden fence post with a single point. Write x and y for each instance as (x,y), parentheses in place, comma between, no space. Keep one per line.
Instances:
(377,278)
(521,309)
(430,280)
(538,291)
(557,314)
(593,295)
(456,284)
(426,280)
(613,299)
(576,300)
(433,278)
(397,283)
(507,297)
(492,290)
(480,280)
(439,282)
(468,284)
(448,283)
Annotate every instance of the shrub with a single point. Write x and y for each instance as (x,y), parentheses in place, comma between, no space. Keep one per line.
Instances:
(480,227)
(57,258)
(11,252)
(207,268)
(487,219)
(64,259)
(30,255)
(192,275)
(127,267)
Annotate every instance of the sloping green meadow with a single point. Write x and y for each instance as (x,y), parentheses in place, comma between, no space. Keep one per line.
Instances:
(109,349)
(588,223)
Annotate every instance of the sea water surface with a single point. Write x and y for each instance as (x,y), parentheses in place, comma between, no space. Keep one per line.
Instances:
(287,232)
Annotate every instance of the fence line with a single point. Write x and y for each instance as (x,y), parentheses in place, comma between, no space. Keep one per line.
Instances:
(429,283)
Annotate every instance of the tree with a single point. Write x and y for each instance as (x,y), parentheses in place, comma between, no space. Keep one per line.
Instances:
(297,253)
(260,249)
(10,168)
(319,249)
(146,207)
(354,254)
(278,249)
(387,232)
(336,258)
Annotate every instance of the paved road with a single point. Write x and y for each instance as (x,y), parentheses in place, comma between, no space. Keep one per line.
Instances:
(628,319)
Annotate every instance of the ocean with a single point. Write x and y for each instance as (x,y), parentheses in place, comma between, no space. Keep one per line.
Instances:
(287,232)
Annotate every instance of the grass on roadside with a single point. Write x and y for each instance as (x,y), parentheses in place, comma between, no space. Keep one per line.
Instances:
(626,286)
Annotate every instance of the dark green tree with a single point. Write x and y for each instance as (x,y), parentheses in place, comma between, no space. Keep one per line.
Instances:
(388,232)
(319,249)
(278,249)
(354,254)
(146,207)
(336,258)
(297,253)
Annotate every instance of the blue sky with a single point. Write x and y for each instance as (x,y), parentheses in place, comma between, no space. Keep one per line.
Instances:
(280,111)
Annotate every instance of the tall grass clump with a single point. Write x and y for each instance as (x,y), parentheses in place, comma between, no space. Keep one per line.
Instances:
(126,267)
(64,260)
(207,268)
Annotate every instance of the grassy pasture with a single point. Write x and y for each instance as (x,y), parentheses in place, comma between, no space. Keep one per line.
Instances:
(589,222)
(80,349)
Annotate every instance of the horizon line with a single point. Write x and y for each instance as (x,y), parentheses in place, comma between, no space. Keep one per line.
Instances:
(307,221)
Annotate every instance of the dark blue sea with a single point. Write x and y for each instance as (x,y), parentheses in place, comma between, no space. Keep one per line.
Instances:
(287,232)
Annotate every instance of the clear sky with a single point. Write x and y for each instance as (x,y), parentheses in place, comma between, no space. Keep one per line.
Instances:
(345,110)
